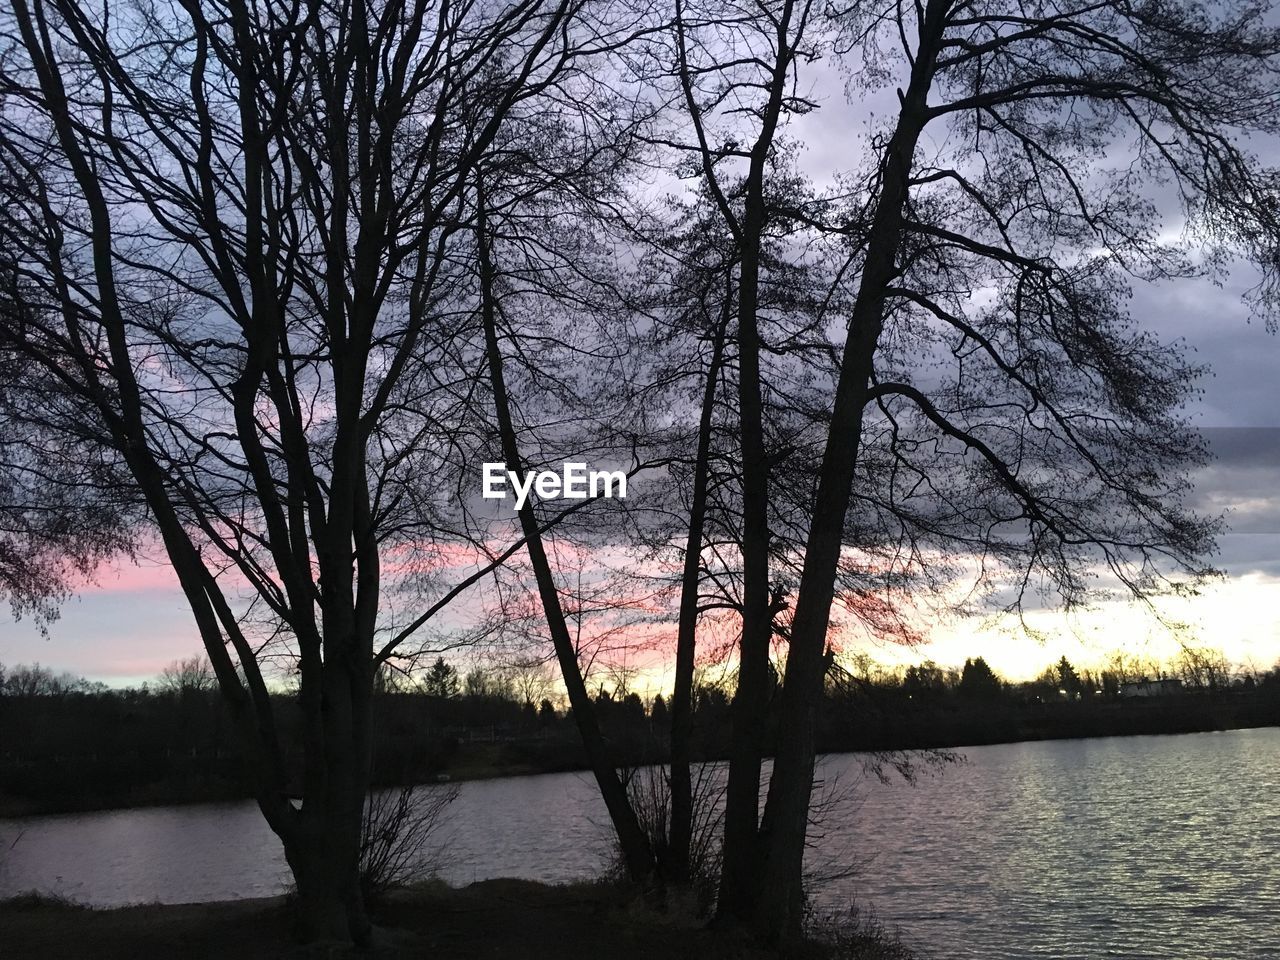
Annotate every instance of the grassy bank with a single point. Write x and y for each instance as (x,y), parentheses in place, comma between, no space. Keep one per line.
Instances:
(495,918)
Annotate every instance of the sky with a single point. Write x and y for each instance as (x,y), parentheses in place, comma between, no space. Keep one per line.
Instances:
(132,620)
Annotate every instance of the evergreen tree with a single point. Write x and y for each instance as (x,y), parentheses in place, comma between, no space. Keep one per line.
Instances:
(442,680)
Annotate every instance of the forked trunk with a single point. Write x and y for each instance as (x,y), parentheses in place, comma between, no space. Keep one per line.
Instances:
(778,912)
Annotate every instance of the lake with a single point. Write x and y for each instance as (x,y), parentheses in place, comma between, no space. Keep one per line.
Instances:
(1136,847)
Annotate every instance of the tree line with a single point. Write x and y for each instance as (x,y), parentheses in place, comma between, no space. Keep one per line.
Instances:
(73,744)
(279,278)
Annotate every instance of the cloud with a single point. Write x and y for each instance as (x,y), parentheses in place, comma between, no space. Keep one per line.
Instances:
(129,578)
(118,636)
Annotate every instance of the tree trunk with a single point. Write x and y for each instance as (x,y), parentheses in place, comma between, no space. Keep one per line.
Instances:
(676,866)
(750,700)
(778,910)
(636,851)
(328,903)
(324,851)
(325,855)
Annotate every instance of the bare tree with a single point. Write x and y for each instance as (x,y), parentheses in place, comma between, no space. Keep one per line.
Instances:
(717,80)
(33,680)
(686,289)
(1203,668)
(60,511)
(636,852)
(1054,434)
(192,674)
(240,221)
(290,272)
(531,680)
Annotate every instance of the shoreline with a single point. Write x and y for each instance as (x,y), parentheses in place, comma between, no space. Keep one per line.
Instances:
(492,918)
(15,809)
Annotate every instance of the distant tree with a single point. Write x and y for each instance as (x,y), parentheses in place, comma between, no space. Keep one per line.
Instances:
(1068,680)
(191,675)
(485,682)
(478,682)
(36,681)
(1202,668)
(546,713)
(658,711)
(927,681)
(709,698)
(622,675)
(633,709)
(978,681)
(1110,684)
(441,680)
(1091,683)
(530,679)
(1129,668)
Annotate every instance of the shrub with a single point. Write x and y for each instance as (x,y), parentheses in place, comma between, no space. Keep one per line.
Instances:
(399,843)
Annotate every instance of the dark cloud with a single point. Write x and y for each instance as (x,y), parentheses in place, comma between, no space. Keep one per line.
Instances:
(1213,323)
(1242,479)
(1243,554)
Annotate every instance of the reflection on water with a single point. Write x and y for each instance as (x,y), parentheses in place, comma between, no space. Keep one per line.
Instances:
(1126,847)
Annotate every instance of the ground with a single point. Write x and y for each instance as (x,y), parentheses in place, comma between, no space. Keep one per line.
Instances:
(496,918)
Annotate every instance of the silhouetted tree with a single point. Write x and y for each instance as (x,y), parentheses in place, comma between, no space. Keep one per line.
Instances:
(1049,428)
(658,712)
(187,676)
(735,108)
(1202,668)
(636,851)
(33,680)
(927,681)
(1067,679)
(441,680)
(546,713)
(239,220)
(978,681)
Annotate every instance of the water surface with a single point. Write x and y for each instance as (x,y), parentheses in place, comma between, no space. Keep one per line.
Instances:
(1137,847)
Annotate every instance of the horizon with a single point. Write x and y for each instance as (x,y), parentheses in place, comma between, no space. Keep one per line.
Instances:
(1250,644)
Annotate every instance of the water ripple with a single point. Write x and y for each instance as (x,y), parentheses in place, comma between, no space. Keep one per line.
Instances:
(1137,847)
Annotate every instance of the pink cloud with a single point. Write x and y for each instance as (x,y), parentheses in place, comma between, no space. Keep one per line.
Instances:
(125,577)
